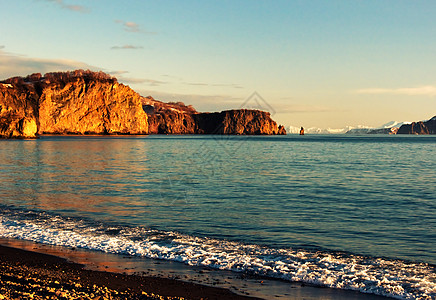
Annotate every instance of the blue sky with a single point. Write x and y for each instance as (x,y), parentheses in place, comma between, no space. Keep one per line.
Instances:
(314,63)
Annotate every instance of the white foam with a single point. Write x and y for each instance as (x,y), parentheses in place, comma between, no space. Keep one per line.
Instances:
(393,278)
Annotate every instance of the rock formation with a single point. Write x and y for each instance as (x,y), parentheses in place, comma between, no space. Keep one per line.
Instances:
(18,111)
(177,118)
(85,102)
(169,118)
(240,121)
(78,102)
(85,105)
(426,127)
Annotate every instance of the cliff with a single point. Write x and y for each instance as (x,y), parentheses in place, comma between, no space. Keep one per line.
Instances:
(177,118)
(241,122)
(18,111)
(85,102)
(169,118)
(426,127)
(78,102)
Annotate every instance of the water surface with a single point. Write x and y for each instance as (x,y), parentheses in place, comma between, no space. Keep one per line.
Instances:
(300,201)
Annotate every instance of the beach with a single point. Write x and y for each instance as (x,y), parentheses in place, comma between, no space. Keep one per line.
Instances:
(61,273)
(31,275)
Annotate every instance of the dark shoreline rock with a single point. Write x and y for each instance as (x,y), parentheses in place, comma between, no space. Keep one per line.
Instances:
(176,118)
(427,127)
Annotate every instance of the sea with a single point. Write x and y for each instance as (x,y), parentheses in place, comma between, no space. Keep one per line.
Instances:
(339,211)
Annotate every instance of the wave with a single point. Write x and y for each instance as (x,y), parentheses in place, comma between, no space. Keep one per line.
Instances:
(388,277)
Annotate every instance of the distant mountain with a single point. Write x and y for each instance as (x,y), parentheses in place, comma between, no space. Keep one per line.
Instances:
(421,127)
(388,128)
(317,130)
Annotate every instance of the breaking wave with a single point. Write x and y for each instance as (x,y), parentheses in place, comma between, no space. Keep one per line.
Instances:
(388,277)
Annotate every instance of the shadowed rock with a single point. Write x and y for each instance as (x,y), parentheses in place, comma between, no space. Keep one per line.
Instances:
(427,127)
(177,118)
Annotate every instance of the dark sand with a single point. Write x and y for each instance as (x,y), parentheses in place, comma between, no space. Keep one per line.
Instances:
(32,275)
(64,273)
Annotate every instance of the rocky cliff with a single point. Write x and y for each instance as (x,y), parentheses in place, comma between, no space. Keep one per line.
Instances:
(78,102)
(241,121)
(18,111)
(85,102)
(426,127)
(177,118)
(169,118)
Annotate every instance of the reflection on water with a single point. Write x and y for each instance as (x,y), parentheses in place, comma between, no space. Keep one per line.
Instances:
(76,175)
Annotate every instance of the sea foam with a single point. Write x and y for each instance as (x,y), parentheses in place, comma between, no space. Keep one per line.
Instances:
(394,278)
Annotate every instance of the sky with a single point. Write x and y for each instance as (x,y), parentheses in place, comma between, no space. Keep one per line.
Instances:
(326,64)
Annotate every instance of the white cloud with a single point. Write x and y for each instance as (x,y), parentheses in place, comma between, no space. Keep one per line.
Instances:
(19,65)
(427,90)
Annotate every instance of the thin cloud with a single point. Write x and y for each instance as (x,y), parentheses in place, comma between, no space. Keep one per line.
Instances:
(232,85)
(202,103)
(427,90)
(2,47)
(118,73)
(19,65)
(122,77)
(302,108)
(133,27)
(126,47)
(149,82)
(75,8)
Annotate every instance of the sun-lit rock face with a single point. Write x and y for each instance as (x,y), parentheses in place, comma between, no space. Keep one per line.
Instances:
(85,102)
(18,111)
(78,102)
(91,107)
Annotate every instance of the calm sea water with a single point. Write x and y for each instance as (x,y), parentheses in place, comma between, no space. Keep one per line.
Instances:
(352,212)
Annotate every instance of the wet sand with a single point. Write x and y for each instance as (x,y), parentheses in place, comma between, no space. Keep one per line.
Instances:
(34,271)
(32,275)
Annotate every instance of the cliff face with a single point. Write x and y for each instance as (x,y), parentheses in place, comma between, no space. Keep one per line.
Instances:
(428,127)
(169,118)
(85,102)
(177,118)
(98,107)
(18,111)
(78,102)
(241,121)
(172,122)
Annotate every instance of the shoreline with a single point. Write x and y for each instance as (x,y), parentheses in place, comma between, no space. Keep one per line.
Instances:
(33,275)
(110,276)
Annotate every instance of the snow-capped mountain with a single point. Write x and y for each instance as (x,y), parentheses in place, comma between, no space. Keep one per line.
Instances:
(360,129)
